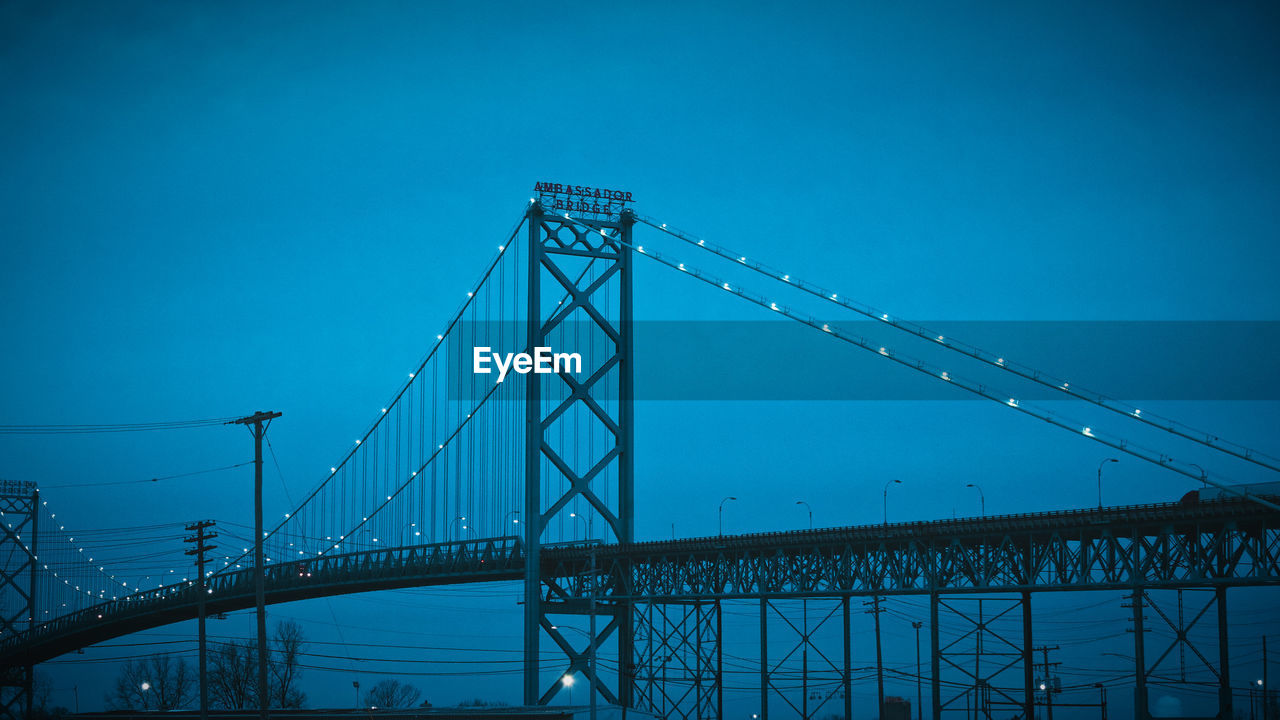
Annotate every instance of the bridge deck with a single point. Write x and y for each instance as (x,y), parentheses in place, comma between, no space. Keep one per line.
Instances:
(1224,542)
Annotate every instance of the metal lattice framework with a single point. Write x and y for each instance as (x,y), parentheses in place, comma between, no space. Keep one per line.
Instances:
(588,264)
(678,661)
(20,502)
(1231,543)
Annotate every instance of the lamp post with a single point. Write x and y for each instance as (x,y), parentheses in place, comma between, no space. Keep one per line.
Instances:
(567,681)
(722,502)
(917,624)
(806,507)
(1104,462)
(1203,474)
(416,533)
(886,499)
(586,525)
(981,496)
(455,521)
(515,521)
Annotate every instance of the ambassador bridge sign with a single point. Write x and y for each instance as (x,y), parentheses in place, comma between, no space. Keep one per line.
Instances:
(581,199)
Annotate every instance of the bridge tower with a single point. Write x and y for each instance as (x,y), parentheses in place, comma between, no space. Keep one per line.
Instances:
(19,520)
(579,290)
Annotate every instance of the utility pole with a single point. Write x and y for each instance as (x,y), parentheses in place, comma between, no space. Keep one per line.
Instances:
(1048,681)
(875,611)
(259,421)
(917,624)
(595,579)
(200,538)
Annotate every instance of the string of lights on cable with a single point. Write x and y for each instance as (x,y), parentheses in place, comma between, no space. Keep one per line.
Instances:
(991,359)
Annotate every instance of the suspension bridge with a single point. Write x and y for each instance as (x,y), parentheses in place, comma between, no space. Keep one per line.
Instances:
(461,479)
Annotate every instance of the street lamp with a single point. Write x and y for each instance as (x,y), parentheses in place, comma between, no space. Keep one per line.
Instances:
(722,502)
(916,625)
(981,496)
(586,526)
(1203,474)
(567,681)
(1104,462)
(886,499)
(455,521)
(416,533)
(806,506)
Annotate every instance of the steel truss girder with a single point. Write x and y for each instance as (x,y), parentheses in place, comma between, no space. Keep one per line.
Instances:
(20,503)
(677,660)
(1228,543)
(552,240)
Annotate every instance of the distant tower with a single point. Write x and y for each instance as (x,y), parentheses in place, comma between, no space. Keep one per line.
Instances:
(19,508)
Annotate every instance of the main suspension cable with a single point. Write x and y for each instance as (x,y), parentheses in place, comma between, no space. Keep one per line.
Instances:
(992,359)
(921,366)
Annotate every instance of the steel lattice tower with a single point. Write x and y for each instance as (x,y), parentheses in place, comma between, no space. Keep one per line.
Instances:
(20,503)
(600,300)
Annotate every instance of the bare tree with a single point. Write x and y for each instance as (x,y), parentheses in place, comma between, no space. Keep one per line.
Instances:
(155,683)
(233,675)
(233,671)
(284,666)
(392,694)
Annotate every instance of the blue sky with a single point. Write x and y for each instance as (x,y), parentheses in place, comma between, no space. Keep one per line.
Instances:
(213,208)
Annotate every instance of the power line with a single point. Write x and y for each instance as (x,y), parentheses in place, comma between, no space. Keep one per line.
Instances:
(109,427)
(149,480)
